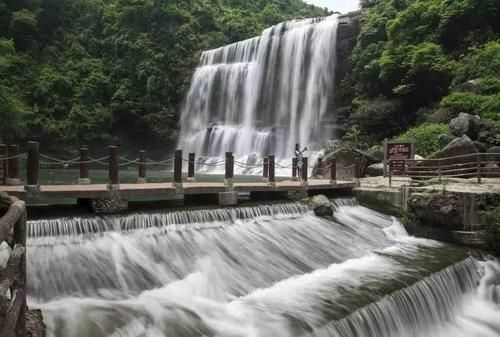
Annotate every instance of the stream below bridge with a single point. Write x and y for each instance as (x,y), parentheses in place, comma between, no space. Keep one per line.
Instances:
(269,270)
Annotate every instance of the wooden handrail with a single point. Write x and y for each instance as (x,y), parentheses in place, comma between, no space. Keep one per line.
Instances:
(473,165)
(13,276)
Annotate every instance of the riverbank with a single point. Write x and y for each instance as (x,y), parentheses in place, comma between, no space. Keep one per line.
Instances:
(449,211)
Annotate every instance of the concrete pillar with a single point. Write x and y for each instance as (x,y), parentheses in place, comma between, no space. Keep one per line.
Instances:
(229,198)
(84,166)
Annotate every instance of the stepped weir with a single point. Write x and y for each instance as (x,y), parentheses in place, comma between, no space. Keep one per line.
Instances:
(268,270)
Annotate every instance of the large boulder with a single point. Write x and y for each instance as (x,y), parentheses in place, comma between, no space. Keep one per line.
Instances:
(494,149)
(321,205)
(375,170)
(458,146)
(436,209)
(444,139)
(481,147)
(495,157)
(469,86)
(465,124)
(377,153)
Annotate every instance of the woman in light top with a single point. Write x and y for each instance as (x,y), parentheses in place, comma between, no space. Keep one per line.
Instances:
(298,156)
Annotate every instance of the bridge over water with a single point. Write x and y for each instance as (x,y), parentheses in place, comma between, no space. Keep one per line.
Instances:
(227,191)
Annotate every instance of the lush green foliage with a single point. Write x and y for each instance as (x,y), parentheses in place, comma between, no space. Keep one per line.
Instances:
(378,117)
(414,51)
(426,136)
(101,71)
(486,106)
(491,219)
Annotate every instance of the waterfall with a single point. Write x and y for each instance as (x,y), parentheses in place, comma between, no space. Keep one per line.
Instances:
(261,96)
(270,270)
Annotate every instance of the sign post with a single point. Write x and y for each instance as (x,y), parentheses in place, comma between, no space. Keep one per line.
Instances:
(396,152)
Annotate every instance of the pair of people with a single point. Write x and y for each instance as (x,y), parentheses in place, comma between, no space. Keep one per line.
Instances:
(299,157)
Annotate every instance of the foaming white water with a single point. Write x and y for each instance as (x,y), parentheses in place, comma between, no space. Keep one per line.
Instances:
(176,220)
(264,271)
(261,96)
(448,303)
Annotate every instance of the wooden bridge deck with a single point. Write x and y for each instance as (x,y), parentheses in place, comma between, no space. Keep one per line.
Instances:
(167,190)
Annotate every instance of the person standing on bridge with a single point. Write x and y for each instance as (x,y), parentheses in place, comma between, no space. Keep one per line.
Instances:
(299,156)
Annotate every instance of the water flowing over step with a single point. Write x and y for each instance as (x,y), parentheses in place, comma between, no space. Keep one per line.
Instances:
(271,270)
(261,96)
(449,303)
(168,220)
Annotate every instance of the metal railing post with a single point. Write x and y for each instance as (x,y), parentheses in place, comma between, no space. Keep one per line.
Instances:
(265,169)
(141,179)
(113,174)
(389,172)
(13,166)
(333,172)
(84,166)
(304,170)
(33,166)
(478,165)
(271,177)
(178,168)
(3,163)
(439,171)
(294,169)
(191,161)
(229,171)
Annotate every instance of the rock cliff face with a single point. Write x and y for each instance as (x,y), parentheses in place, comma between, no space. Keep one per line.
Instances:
(347,35)
(451,210)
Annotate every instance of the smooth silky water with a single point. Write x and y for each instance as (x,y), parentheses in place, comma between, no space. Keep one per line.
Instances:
(262,95)
(270,270)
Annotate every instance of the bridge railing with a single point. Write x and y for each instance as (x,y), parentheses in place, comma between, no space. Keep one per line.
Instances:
(10,157)
(476,165)
(13,276)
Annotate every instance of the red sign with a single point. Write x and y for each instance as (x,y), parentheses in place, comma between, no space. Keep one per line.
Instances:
(397,153)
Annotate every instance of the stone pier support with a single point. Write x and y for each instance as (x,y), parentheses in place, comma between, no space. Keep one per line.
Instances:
(228,198)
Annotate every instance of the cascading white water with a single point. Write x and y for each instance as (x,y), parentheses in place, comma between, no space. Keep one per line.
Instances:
(274,270)
(261,96)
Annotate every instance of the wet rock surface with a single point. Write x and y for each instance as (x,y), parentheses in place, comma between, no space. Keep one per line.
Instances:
(321,205)
(109,205)
(375,170)
(458,146)
(465,124)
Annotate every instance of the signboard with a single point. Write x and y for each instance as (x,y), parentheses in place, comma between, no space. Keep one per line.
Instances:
(396,152)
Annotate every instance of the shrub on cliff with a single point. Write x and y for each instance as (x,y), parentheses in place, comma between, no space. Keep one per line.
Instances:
(491,219)
(379,117)
(486,106)
(426,136)
(412,51)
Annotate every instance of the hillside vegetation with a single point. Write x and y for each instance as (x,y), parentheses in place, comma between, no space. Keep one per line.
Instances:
(96,72)
(424,61)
